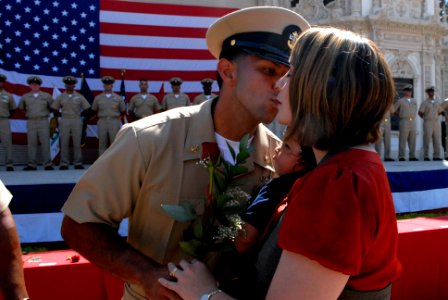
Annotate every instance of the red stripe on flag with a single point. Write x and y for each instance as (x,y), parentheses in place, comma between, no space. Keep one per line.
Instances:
(149,30)
(125,52)
(159,75)
(19,138)
(165,9)
(20,89)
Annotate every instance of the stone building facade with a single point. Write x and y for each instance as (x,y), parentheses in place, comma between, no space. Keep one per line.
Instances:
(413,34)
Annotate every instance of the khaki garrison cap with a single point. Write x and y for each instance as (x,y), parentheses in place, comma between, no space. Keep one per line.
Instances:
(407,87)
(34,79)
(108,80)
(429,88)
(2,78)
(69,80)
(176,81)
(266,31)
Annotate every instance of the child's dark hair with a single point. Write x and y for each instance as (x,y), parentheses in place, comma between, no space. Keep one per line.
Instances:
(307,158)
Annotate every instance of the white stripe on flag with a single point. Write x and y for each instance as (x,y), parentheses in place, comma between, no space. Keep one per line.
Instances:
(141,41)
(157,64)
(154,19)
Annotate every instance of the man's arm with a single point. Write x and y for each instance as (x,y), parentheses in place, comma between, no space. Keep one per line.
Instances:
(421,114)
(12,282)
(102,245)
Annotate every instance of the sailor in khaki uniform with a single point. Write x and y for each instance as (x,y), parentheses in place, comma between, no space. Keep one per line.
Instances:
(406,109)
(154,160)
(109,107)
(430,110)
(385,137)
(71,105)
(143,104)
(207,94)
(176,98)
(36,105)
(7,107)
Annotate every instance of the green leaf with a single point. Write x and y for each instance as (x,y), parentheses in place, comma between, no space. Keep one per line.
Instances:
(244,142)
(190,247)
(238,170)
(198,228)
(232,152)
(241,157)
(220,182)
(180,213)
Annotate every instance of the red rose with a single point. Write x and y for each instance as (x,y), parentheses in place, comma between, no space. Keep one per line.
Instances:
(74,258)
(210,150)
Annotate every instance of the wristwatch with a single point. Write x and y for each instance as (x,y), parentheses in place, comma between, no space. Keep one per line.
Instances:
(209,296)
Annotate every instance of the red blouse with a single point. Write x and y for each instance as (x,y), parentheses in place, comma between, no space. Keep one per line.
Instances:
(342,216)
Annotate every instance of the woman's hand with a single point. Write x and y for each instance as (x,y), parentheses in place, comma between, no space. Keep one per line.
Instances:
(193,280)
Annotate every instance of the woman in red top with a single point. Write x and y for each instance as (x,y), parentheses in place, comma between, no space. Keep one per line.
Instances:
(339,235)
(340,230)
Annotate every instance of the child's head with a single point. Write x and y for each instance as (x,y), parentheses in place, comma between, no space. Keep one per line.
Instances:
(340,89)
(291,157)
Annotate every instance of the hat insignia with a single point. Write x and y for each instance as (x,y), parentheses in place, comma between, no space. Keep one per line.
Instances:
(293,36)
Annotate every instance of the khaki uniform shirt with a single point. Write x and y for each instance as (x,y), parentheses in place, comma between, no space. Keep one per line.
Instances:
(152,162)
(144,106)
(171,101)
(36,107)
(108,107)
(5,197)
(202,98)
(72,104)
(431,109)
(7,104)
(406,109)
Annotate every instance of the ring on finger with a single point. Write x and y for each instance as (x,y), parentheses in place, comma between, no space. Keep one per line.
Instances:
(173,272)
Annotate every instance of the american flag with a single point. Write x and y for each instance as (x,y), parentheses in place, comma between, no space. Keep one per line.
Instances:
(56,38)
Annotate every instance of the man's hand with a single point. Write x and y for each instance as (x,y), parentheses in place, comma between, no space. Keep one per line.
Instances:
(102,246)
(154,290)
(12,281)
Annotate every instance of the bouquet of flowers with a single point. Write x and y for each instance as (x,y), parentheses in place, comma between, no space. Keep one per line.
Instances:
(220,222)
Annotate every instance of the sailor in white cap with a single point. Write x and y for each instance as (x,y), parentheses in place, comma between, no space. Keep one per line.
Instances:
(109,107)
(7,108)
(70,105)
(430,111)
(154,160)
(406,109)
(176,98)
(36,105)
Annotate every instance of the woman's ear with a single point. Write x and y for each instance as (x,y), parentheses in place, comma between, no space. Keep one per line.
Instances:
(227,71)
